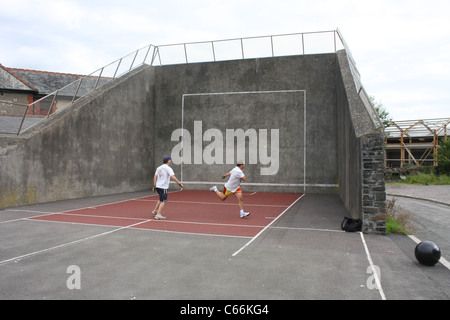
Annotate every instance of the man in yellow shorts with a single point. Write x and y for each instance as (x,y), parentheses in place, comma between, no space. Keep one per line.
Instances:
(233,187)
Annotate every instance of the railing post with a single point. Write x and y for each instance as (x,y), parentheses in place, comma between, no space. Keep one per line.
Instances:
(78,88)
(214,52)
(117,69)
(146,55)
(185,53)
(132,63)
(51,105)
(98,79)
(23,118)
(303,43)
(271,44)
(154,55)
(335,47)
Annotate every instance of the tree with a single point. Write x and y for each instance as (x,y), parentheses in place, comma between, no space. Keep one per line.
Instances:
(381,110)
(443,157)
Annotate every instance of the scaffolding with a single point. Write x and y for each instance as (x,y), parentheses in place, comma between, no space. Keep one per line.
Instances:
(414,142)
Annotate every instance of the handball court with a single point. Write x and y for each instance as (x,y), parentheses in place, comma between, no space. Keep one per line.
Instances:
(198,212)
(289,248)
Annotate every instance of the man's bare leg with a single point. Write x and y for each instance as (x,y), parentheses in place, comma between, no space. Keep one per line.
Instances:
(218,193)
(159,216)
(241,205)
(155,211)
(240,200)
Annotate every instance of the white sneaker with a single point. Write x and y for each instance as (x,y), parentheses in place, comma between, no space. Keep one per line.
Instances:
(244,214)
(213,189)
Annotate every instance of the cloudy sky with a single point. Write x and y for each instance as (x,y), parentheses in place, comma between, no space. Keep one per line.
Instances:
(401,48)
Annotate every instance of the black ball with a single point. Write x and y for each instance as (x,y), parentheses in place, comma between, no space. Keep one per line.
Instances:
(427,253)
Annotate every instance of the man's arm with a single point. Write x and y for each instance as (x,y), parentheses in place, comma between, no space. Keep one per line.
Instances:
(176,180)
(155,177)
(226,175)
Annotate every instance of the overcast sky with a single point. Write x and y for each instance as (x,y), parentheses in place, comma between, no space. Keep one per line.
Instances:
(401,48)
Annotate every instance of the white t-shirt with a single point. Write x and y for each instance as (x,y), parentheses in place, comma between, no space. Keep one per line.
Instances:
(235,179)
(164,172)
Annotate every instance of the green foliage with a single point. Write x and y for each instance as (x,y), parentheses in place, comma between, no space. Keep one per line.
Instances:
(381,110)
(443,157)
(394,226)
(427,179)
(397,221)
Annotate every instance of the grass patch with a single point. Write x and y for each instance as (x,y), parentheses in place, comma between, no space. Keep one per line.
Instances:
(397,220)
(394,226)
(427,179)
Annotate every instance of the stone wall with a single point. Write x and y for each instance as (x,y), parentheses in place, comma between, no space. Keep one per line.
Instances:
(373,187)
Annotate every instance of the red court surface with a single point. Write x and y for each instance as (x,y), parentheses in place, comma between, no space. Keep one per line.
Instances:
(199,212)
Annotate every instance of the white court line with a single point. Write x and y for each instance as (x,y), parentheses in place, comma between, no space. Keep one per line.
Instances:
(246,93)
(268,226)
(70,243)
(36,218)
(441,260)
(224,204)
(194,233)
(210,224)
(309,229)
(44,214)
(377,279)
(41,213)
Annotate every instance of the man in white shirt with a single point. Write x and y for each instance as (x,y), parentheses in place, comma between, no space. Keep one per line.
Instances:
(233,187)
(161,181)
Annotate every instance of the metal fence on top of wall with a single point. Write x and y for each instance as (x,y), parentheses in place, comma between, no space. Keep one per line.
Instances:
(21,117)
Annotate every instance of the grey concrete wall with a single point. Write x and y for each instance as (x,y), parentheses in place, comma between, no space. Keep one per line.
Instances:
(257,103)
(349,151)
(361,154)
(102,145)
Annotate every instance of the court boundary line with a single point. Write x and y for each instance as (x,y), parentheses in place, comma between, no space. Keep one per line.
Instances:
(303,91)
(225,204)
(43,213)
(144,229)
(192,233)
(266,184)
(309,229)
(68,243)
(267,227)
(37,218)
(372,266)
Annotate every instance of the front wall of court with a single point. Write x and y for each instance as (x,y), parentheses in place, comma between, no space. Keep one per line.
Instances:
(289,99)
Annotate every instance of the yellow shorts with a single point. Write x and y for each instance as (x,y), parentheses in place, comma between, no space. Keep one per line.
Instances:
(227,192)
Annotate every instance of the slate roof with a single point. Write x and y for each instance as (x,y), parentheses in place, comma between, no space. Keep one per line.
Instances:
(45,82)
(11,81)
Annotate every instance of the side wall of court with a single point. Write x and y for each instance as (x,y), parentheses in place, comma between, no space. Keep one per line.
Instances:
(102,145)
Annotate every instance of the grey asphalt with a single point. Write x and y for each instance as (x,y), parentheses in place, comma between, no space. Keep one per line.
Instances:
(303,255)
